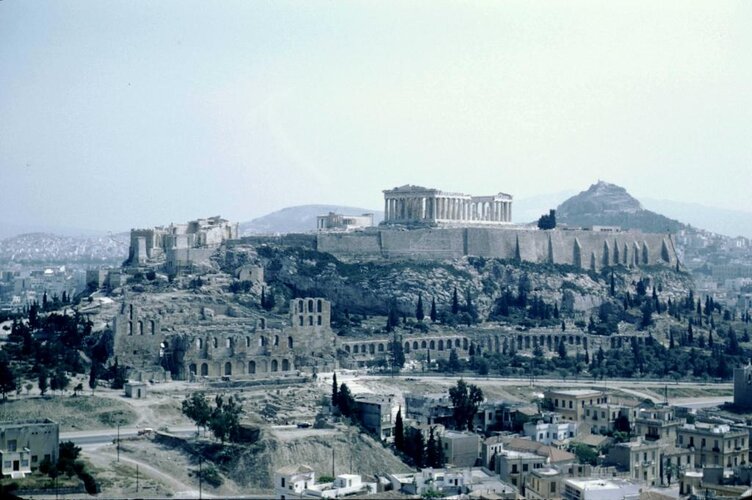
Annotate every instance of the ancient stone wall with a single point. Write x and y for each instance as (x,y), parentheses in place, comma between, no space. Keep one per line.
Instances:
(357,352)
(232,347)
(581,248)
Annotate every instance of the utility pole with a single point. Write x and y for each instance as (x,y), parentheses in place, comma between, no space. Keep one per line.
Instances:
(118,443)
(200,477)
(136,478)
(332,459)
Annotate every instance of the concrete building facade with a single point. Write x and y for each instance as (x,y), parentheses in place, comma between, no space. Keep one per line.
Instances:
(25,444)
(571,403)
(715,445)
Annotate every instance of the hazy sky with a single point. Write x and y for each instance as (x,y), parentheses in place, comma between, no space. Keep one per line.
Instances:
(122,114)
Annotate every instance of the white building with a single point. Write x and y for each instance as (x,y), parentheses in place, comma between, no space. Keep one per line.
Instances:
(299,481)
(600,489)
(550,429)
(340,222)
(452,483)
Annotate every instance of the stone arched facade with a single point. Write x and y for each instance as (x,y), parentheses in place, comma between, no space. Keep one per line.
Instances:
(240,348)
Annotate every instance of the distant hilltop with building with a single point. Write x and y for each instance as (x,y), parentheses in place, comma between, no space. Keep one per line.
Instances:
(428,223)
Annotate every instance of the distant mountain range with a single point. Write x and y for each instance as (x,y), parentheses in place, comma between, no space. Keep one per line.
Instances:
(299,219)
(716,220)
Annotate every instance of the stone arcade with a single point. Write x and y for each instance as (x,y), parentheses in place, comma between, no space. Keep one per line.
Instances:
(415,204)
(219,346)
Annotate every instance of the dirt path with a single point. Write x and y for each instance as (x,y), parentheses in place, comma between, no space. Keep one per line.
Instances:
(179,488)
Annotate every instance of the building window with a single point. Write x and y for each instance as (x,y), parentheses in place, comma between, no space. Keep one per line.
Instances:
(12,444)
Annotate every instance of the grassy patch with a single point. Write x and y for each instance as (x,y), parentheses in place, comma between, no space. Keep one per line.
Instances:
(72,413)
(37,480)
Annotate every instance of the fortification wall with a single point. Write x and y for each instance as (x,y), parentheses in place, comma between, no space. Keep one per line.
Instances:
(586,249)
(446,243)
(356,244)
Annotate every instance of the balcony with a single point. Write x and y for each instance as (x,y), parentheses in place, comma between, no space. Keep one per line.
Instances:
(716,449)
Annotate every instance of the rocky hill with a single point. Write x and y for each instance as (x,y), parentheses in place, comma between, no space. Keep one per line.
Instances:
(299,219)
(52,249)
(605,204)
(368,287)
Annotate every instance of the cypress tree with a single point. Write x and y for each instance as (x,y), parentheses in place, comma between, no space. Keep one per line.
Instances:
(399,431)
(433,310)
(455,302)
(710,339)
(335,393)
(419,315)
(431,455)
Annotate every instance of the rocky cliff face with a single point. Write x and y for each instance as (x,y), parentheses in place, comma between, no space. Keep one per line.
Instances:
(368,287)
(605,204)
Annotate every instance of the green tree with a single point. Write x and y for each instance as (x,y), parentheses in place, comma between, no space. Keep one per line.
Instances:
(60,380)
(118,377)
(196,407)
(585,454)
(415,447)
(225,418)
(399,431)
(419,315)
(454,361)
(455,302)
(8,383)
(561,349)
(392,319)
(398,354)
(42,381)
(68,453)
(732,343)
(466,398)
(647,314)
(335,388)
(547,221)
(432,450)
(346,401)
(93,373)
(433,310)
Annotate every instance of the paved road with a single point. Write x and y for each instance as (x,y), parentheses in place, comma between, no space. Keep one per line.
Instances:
(106,436)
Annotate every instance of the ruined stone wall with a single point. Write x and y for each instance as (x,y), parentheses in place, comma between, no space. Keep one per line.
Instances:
(581,248)
(137,337)
(357,352)
(199,346)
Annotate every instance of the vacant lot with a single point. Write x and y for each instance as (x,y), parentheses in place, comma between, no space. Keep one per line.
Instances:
(72,413)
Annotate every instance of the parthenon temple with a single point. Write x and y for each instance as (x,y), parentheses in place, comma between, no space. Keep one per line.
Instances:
(416,204)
